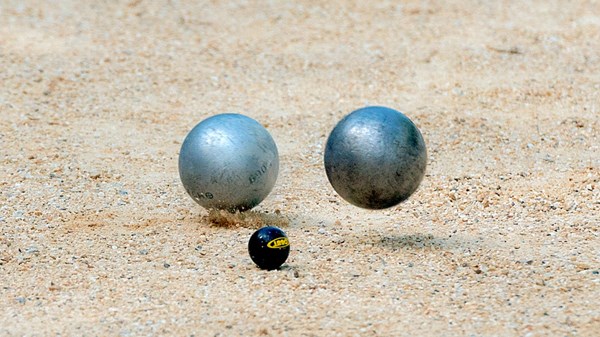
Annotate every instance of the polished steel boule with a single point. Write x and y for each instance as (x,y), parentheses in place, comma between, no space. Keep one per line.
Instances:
(228,161)
(375,157)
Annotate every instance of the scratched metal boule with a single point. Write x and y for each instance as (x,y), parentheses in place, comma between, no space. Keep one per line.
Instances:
(375,157)
(228,161)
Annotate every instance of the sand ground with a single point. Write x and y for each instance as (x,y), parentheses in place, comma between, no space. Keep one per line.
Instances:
(98,237)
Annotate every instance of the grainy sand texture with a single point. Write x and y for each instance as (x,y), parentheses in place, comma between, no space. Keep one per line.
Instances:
(99,238)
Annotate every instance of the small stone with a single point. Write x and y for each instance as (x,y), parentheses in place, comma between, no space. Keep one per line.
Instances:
(338,240)
(32,250)
(21,300)
(54,287)
(582,266)
(166,265)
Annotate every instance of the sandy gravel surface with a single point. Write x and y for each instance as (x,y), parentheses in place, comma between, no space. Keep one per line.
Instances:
(98,237)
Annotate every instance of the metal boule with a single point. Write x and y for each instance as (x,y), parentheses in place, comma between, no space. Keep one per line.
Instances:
(228,161)
(375,157)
